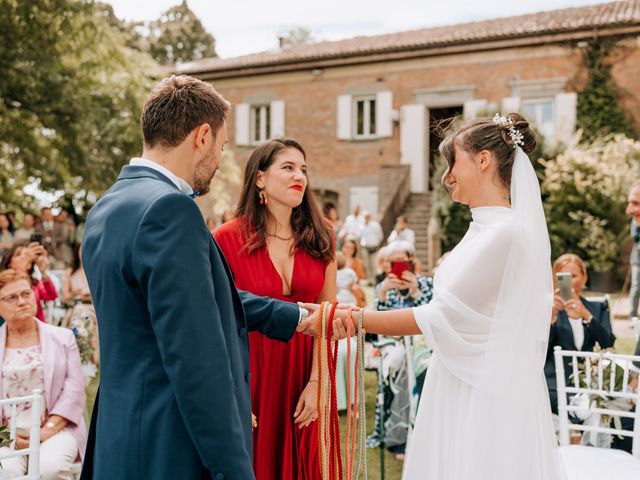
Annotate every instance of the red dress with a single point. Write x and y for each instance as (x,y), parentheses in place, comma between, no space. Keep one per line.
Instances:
(279,370)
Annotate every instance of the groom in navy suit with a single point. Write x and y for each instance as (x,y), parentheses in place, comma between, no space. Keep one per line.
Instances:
(174,399)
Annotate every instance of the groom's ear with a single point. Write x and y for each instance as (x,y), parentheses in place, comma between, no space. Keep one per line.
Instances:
(201,135)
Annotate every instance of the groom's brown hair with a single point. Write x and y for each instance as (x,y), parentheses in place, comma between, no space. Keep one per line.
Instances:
(176,106)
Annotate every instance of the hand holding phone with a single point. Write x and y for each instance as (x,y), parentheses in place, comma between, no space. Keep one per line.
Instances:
(398,268)
(36,237)
(565,289)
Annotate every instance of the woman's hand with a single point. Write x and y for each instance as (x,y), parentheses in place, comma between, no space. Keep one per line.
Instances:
(575,308)
(410,280)
(22,440)
(42,261)
(558,306)
(254,421)
(306,410)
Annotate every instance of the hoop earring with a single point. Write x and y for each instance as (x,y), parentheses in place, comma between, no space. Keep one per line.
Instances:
(262,195)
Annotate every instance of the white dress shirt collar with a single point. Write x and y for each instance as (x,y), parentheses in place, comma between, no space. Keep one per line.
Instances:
(182,185)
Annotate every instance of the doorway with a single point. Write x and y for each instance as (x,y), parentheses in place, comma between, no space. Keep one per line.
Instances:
(439,121)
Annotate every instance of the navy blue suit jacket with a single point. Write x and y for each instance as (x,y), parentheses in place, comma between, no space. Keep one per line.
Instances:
(561,334)
(174,399)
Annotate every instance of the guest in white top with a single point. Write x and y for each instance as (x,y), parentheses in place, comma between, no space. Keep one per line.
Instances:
(346,281)
(370,241)
(402,231)
(27,229)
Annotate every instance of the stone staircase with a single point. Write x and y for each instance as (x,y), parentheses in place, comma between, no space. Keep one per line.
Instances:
(418,213)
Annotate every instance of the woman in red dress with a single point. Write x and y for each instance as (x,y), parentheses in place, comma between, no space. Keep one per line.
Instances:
(280,246)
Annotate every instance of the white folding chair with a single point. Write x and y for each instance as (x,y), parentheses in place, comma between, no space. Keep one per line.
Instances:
(600,369)
(33,470)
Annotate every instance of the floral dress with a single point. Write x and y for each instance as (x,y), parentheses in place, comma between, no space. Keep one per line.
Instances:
(22,372)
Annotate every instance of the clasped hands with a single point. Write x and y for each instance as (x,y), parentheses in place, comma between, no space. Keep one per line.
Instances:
(574,306)
(342,321)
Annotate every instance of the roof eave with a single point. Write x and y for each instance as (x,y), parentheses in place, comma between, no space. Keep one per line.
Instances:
(409,52)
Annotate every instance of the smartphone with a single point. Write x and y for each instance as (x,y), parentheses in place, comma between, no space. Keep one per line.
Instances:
(564,285)
(397,268)
(36,237)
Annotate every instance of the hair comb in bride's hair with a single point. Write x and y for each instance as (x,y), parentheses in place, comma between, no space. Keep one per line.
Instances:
(514,134)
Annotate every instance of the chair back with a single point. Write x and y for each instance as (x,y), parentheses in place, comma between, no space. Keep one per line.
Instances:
(33,470)
(595,374)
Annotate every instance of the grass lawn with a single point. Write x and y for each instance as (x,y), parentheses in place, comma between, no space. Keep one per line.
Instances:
(393,468)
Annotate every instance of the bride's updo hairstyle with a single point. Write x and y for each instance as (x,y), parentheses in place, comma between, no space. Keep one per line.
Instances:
(480,134)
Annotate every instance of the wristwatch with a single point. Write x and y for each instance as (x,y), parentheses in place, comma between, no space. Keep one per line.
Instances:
(304,314)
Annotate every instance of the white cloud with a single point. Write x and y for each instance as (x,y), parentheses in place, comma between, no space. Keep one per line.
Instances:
(247,26)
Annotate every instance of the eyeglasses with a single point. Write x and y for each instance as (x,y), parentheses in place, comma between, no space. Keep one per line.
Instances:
(13,299)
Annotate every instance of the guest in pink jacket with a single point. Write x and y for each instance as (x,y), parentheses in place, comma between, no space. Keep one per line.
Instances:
(34,355)
(23,257)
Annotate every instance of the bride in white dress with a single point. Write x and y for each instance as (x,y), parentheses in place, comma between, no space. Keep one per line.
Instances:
(484,412)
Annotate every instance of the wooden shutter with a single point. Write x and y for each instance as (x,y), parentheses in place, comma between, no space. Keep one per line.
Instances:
(384,121)
(242,124)
(343,119)
(277,118)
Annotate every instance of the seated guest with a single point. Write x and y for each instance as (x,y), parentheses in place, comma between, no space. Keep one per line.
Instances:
(383,267)
(576,324)
(400,289)
(405,291)
(349,293)
(82,315)
(24,257)
(6,236)
(38,355)
(352,261)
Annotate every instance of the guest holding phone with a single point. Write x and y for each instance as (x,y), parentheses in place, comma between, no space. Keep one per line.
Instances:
(402,287)
(576,323)
(24,256)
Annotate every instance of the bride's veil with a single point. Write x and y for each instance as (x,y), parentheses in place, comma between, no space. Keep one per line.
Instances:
(515,413)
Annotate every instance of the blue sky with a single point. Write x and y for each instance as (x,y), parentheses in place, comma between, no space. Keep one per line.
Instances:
(248,26)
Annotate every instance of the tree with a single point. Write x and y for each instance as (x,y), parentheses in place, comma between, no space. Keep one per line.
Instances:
(296,36)
(70,96)
(178,36)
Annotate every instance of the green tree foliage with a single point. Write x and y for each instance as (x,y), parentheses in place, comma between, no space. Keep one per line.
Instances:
(70,95)
(598,110)
(178,36)
(585,190)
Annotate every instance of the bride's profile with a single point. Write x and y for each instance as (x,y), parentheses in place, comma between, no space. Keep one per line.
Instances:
(484,411)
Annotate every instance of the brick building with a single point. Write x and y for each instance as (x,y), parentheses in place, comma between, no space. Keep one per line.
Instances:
(364,108)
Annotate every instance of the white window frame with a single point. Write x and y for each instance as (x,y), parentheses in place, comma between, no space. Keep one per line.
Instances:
(537,120)
(369,103)
(264,123)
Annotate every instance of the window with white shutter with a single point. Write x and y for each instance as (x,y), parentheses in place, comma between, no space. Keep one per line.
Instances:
(242,124)
(541,114)
(364,117)
(260,123)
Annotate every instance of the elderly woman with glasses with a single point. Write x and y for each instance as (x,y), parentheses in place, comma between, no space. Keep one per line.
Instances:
(34,355)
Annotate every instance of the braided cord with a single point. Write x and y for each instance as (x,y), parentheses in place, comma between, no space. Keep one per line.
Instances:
(361,465)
